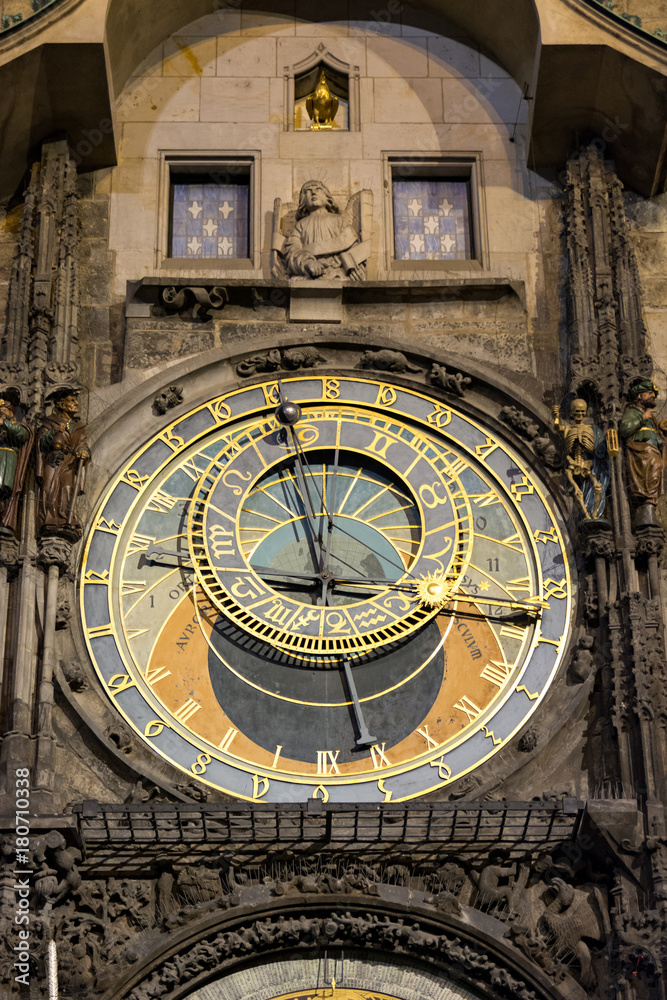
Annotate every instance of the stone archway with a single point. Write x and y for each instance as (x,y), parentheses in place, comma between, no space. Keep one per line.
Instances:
(461,949)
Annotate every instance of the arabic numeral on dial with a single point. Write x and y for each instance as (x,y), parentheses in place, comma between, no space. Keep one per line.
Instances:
(493,564)
(201,763)
(434,498)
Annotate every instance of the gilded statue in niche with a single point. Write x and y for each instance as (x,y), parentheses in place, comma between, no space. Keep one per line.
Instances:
(646,443)
(319,240)
(62,457)
(586,459)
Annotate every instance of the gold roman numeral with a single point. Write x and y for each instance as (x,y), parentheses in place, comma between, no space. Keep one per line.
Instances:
(469,708)
(187,710)
(155,674)
(379,757)
(429,739)
(228,739)
(326,762)
(497,672)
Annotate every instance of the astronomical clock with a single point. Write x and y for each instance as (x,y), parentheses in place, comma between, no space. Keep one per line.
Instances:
(318,587)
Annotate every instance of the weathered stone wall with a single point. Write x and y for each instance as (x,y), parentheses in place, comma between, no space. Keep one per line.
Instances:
(218,85)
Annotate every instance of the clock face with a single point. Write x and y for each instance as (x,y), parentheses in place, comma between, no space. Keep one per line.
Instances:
(361,598)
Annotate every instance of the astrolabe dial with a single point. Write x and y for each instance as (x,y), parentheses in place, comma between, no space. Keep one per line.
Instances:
(310,555)
(361,604)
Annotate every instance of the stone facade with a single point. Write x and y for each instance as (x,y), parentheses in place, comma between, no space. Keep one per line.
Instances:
(542,873)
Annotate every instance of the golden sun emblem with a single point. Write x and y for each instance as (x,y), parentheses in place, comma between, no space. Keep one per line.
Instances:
(434,590)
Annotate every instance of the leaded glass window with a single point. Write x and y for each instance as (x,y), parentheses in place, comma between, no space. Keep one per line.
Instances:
(210,217)
(432,218)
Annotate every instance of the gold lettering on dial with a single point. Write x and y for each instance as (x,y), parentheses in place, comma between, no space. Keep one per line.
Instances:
(248,584)
(276,755)
(545,536)
(92,576)
(469,708)
(228,738)
(139,543)
(387,792)
(260,785)
(431,491)
(454,468)
(523,489)
(386,395)
(201,763)
(491,735)
(497,672)
(554,588)
(271,393)
(155,674)
(513,632)
(430,742)
(222,541)
(527,692)
(326,762)
(162,502)
(440,416)
(154,728)
(236,489)
(519,586)
(380,444)
(331,388)
(379,757)
(120,682)
(323,793)
(484,450)
(132,587)
(187,710)
(444,770)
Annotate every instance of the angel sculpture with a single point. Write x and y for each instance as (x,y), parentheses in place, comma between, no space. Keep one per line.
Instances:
(322,242)
(586,460)
(575,917)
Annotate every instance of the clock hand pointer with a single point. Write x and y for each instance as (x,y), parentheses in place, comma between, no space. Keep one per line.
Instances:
(364,738)
(533,607)
(156,555)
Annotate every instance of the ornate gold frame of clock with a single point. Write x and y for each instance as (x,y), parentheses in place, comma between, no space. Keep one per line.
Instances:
(342,579)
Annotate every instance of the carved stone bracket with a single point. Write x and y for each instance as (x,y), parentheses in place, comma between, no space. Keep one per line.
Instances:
(65,373)
(650,540)
(193,302)
(54,551)
(9,548)
(631,369)
(598,540)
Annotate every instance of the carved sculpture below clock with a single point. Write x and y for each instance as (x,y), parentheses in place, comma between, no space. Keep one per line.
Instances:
(326,587)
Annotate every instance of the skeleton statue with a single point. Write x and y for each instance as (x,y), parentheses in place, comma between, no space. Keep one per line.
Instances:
(586,460)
